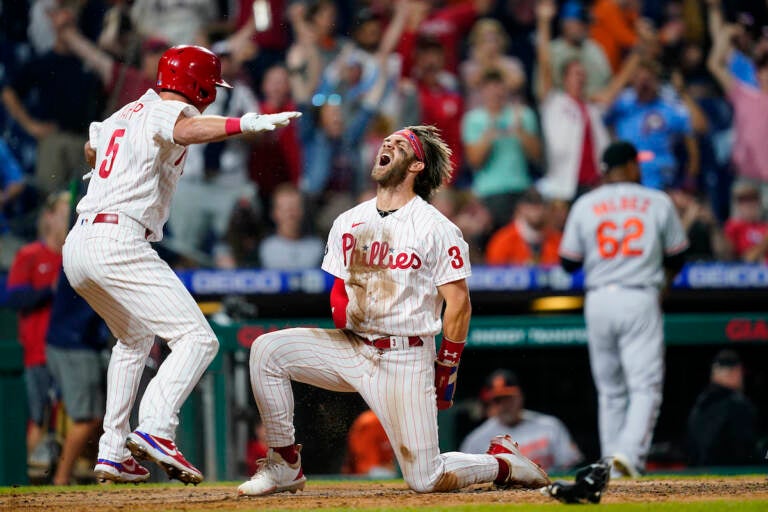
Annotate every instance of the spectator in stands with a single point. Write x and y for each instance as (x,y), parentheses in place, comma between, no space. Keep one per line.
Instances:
(654,123)
(122,83)
(750,108)
(488,43)
(448,24)
(542,438)
(261,46)
(289,248)
(55,112)
(180,22)
(12,184)
(276,156)
(246,228)
(314,25)
(31,285)
(470,216)
(215,174)
(528,239)
(256,448)
(574,44)
(574,132)
(499,138)
(747,230)
(722,426)
(76,336)
(331,167)
(617,28)
(706,241)
(441,104)
(368,450)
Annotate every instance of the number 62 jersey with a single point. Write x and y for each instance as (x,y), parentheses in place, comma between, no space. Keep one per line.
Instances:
(137,161)
(621,232)
(391,267)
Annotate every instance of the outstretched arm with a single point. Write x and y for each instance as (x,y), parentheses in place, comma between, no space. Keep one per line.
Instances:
(716,60)
(545,12)
(202,129)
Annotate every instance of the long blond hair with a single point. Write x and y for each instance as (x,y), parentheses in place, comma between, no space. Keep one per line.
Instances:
(437,161)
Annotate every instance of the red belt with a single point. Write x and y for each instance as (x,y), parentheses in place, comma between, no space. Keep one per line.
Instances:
(112,218)
(386,343)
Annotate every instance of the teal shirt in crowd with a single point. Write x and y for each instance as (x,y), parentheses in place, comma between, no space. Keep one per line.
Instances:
(505,169)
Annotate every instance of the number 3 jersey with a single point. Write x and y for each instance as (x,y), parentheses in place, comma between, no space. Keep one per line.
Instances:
(392,266)
(621,232)
(137,161)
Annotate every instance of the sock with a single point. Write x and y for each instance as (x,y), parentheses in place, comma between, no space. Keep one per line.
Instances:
(503,475)
(289,453)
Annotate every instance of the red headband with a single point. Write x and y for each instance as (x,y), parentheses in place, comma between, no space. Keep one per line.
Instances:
(415,143)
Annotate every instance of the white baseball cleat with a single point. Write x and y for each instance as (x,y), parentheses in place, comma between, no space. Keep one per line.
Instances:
(523,472)
(623,467)
(128,471)
(274,475)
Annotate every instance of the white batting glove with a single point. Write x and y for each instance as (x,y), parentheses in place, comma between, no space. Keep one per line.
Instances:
(252,123)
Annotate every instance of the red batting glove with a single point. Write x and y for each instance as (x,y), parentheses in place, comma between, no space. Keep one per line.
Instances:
(446,370)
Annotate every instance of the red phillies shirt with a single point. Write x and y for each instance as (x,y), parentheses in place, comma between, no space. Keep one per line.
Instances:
(744,235)
(443,108)
(448,25)
(276,155)
(35,267)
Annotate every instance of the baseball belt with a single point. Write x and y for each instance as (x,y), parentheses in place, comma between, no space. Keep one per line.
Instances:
(390,342)
(112,218)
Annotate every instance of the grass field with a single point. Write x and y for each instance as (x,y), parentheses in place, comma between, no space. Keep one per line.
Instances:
(662,493)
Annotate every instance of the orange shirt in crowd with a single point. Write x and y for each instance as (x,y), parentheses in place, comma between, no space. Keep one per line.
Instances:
(614,30)
(507,247)
(368,446)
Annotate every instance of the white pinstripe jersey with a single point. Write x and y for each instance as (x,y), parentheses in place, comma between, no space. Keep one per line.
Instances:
(392,266)
(621,232)
(137,162)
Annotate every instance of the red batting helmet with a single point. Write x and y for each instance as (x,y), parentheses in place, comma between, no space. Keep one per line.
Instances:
(192,71)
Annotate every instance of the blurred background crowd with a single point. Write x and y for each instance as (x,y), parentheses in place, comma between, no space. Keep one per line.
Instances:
(527,93)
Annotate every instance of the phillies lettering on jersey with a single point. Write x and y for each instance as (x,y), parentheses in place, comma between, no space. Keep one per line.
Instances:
(377,254)
(385,261)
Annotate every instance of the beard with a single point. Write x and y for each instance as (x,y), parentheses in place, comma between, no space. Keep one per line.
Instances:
(394,176)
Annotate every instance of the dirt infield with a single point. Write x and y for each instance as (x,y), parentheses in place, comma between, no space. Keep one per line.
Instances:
(322,495)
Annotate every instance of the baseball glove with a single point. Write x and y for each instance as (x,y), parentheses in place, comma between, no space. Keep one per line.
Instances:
(588,487)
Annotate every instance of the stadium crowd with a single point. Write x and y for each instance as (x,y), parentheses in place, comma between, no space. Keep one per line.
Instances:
(527,93)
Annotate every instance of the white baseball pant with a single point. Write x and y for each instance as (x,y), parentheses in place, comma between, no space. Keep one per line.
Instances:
(626,353)
(398,385)
(138,295)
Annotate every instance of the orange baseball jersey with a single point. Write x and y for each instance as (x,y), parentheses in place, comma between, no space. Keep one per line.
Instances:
(368,445)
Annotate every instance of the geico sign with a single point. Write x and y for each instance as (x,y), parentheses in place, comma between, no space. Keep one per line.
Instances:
(744,329)
(238,281)
(728,276)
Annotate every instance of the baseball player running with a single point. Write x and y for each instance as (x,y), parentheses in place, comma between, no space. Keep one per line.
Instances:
(624,235)
(396,261)
(138,155)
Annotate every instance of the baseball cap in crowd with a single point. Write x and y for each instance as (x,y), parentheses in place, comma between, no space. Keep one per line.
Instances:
(726,359)
(154,45)
(573,10)
(499,384)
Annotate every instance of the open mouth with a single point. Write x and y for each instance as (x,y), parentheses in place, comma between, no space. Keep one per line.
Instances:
(384,160)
